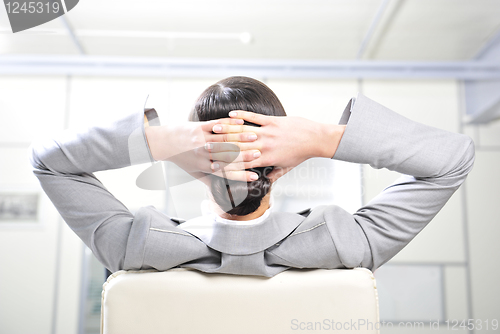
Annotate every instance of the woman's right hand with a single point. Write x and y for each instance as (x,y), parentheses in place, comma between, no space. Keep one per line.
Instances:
(199,151)
(285,142)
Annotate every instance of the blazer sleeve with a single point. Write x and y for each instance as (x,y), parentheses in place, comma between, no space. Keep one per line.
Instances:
(434,164)
(64,165)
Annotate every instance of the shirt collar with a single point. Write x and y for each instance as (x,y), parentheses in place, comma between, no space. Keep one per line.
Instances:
(245,237)
(207,211)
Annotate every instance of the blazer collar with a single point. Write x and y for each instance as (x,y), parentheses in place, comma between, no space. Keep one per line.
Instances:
(238,239)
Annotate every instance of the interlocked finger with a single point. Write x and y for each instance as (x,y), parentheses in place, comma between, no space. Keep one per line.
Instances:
(208,126)
(229,157)
(231,128)
(250,117)
(240,137)
(236,175)
(223,147)
(233,166)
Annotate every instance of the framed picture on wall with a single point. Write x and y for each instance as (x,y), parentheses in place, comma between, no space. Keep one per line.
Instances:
(20,207)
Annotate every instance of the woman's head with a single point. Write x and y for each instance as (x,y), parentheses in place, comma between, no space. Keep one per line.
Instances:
(238,93)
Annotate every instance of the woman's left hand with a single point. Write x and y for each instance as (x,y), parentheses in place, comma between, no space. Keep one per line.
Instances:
(285,142)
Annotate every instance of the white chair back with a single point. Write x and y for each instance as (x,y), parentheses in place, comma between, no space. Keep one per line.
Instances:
(188,301)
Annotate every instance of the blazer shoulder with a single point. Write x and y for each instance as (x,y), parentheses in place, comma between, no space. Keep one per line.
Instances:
(153,232)
(328,238)
(310,245)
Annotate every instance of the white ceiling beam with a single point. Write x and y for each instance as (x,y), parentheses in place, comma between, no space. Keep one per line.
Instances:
(373,26)
(491,49)
(486,115)
(72,35)
(482,97)
(186,67)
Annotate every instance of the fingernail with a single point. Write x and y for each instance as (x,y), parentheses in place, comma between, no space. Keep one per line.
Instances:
(215,166)
(239,121)
(209,146)
(253,177)
(252,137)
(256,154)
(217,128)
(233,113)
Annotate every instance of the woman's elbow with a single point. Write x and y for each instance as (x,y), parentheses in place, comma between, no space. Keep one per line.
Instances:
(35,155)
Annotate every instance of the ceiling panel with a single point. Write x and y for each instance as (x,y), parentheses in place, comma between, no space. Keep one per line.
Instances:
(40,40)
(438,30)
(314,29)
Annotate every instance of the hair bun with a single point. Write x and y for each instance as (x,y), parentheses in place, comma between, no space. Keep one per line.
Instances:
(238,93)
(241,198)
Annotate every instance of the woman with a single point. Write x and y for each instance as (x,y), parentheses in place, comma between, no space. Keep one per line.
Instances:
(244,236)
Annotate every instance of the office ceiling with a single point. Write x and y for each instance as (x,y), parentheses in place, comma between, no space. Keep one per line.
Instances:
(411,30)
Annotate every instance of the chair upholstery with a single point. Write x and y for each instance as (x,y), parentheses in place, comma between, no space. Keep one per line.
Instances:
(189,301)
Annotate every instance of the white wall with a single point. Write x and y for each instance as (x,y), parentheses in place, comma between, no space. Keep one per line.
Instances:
(461,238)
(434,103)
(32,106)
(483,198)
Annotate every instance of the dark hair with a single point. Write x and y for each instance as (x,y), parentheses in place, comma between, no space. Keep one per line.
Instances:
(238,93)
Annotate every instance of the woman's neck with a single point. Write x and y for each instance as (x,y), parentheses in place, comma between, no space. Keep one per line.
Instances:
(264,205)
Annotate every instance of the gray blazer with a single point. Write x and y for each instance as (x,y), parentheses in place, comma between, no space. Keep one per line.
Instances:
(434,163)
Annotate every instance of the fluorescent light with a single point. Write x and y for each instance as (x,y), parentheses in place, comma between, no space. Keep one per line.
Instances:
(243,37)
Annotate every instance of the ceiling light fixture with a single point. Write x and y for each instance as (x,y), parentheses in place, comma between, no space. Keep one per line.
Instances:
(244,37)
